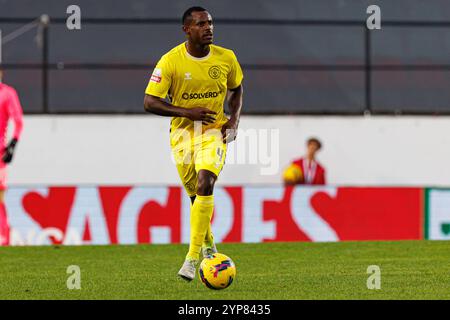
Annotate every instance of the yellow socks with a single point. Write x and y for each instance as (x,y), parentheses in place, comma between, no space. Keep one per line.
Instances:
(201,213)
(209,238)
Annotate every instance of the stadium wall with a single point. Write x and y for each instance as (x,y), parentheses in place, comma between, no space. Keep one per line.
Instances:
(76,215)
(105,66)
(134,150)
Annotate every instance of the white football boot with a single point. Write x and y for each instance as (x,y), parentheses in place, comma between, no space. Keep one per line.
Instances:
(187,271)
(209,251)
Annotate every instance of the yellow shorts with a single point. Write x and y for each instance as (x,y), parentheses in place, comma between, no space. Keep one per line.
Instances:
(206,153)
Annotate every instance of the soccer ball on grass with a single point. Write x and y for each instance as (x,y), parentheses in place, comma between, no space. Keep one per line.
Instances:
(217,271)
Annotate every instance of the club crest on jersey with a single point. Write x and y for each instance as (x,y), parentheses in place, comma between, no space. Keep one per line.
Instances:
(214,72)
(187,76)
(156,75)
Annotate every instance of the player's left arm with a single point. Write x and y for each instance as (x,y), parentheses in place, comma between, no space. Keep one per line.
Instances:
(14,112)
(229,129)
(236,91)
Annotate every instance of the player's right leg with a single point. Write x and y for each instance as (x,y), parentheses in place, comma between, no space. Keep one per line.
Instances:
(209,160)
(200,221)
(209,246)
(201,213)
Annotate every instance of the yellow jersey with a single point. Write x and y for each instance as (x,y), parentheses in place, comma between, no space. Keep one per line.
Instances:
(195,82)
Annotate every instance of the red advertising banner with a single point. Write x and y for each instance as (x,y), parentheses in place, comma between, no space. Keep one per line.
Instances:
(127,215)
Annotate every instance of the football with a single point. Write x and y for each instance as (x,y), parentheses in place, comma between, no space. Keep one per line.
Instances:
(217,271)
(292,174)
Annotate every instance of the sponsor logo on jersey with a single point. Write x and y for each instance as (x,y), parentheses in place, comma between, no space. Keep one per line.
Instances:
(200,95)
(156,75)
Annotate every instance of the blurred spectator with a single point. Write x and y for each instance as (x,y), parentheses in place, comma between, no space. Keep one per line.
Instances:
(306,170)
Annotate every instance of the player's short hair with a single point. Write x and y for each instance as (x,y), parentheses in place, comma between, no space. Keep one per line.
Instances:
(316,141)
(188,13)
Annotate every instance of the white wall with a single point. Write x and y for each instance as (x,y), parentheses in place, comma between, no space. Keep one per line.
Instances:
(135,150)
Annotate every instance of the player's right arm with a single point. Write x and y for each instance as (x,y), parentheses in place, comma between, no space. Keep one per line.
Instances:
(156,105)
(157,89)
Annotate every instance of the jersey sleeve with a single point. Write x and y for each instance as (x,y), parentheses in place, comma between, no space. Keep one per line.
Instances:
(235,76)
(161,79)
(15,112)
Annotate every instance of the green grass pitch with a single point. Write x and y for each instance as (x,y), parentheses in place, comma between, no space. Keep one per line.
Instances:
(409,270)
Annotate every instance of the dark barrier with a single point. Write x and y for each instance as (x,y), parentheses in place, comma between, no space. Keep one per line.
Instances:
(291,66)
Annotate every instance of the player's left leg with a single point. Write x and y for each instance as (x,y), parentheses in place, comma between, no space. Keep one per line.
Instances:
(209,246)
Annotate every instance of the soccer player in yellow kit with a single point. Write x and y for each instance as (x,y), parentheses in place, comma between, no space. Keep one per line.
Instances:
(197,76)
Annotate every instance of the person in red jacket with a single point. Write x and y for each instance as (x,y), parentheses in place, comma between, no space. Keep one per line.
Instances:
(306,170)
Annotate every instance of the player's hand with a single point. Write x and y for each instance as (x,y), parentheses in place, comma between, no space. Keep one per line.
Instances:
(8,152)
(229,131)
(201,114)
